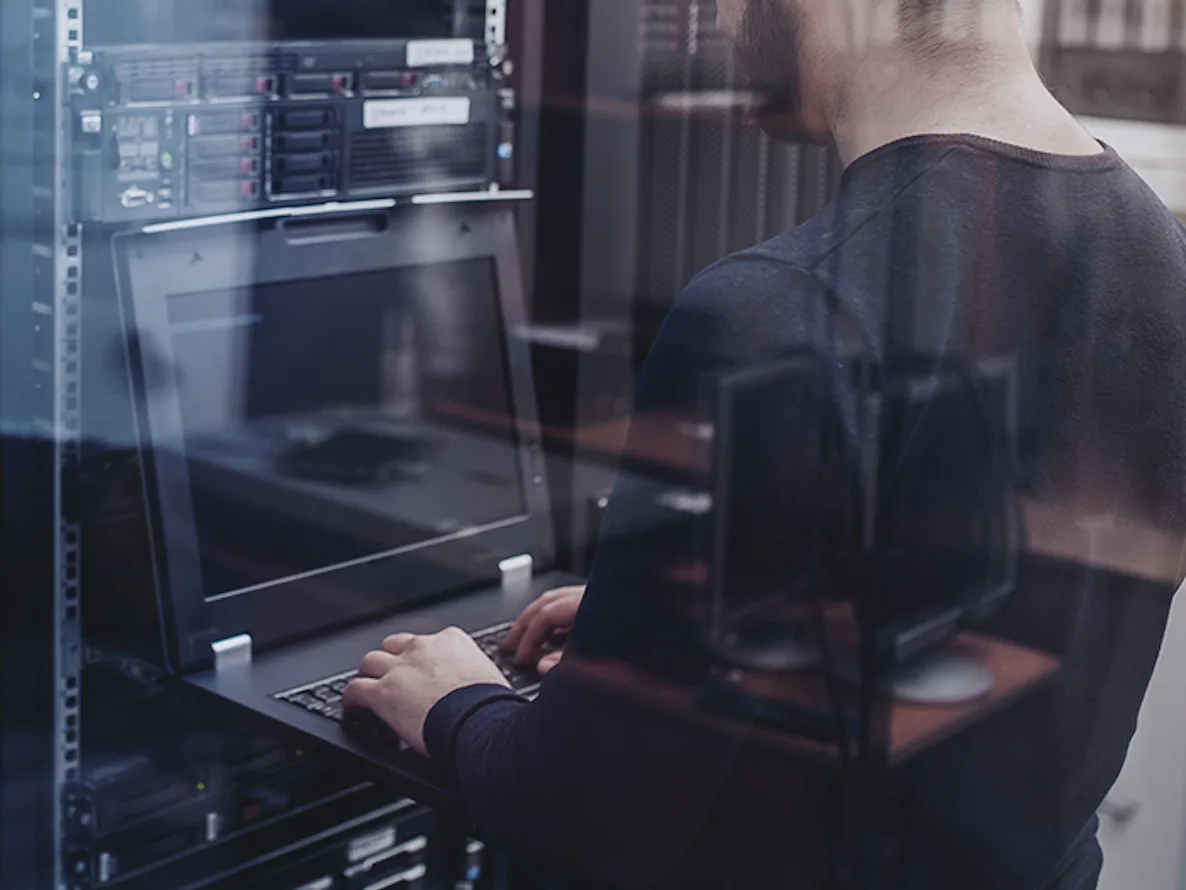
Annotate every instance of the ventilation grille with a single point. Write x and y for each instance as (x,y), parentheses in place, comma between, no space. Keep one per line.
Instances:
(156,69)
(248,65)
(677,38)
(157,80)
(418,156)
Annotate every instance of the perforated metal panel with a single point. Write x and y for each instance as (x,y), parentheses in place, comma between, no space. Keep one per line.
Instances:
(56,328)
(666,192)
(711,183)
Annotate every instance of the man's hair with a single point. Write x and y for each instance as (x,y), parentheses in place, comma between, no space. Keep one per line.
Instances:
(922,19)
(935,27)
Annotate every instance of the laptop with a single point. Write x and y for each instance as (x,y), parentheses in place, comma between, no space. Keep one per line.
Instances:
(337,425)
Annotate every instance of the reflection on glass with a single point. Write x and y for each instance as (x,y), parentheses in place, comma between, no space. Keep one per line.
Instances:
(333,421)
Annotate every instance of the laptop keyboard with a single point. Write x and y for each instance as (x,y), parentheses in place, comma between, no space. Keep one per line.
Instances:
(324,697)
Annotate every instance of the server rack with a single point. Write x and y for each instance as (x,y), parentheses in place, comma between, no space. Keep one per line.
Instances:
(27,471)
(42,401)
(39,422)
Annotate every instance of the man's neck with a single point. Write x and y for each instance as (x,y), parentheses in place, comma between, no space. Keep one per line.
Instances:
(998,96)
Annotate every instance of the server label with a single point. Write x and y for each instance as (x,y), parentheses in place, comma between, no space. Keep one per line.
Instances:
(380,113)
(422,53)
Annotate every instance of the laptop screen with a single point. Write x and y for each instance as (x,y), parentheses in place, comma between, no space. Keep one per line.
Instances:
(328,422)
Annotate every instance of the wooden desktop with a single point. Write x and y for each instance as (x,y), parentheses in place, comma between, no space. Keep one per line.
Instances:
(912,728)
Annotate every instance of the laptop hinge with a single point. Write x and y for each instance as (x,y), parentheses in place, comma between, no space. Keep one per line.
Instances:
(232,652)
(516,570)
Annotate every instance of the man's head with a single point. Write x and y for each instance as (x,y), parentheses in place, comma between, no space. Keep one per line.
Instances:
(808,56)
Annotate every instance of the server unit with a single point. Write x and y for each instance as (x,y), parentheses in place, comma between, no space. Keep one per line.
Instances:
(389,848)
(170,795)
(195,130)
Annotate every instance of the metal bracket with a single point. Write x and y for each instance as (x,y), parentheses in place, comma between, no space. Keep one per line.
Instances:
(105,868)
(516,570)
(213,827)
(694,503)
(493,194)
(232,652)
(496,22)
(56,320)
(333,207)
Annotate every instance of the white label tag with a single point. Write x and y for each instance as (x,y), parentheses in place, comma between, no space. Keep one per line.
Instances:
(370,844)
(380,113)
(422,53)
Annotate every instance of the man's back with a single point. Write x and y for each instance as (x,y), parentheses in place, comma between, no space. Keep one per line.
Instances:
(970,250)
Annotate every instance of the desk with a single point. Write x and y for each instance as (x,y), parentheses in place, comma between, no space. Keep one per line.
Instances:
(913,728)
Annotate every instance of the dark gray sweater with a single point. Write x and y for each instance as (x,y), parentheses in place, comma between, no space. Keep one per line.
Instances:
(962,247)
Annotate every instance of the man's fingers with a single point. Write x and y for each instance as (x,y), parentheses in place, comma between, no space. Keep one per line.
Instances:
(552,617)
(397,644)
(376,664)
(511,641)
(548,662)
(360,692)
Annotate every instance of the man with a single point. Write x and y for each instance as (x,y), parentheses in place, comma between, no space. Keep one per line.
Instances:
(972,196)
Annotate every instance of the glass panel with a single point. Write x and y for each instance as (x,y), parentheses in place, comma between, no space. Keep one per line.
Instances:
(512,445)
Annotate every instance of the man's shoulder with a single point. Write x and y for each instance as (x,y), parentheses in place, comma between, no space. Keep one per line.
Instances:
(799,260)
(755,302)
(773,269)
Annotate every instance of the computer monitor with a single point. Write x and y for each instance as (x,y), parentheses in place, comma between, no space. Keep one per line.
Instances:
(947,521)
(899,497)
(783,507)
(942,526)
(337,416)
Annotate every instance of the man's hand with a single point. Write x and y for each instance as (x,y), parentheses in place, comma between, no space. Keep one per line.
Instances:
(402,681)
(552,613)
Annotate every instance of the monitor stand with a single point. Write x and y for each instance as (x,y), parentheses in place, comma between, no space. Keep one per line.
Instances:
(941,677)
(765,645)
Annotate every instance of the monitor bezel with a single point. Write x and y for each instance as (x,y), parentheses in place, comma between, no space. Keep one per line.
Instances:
(807,368)
(151,267)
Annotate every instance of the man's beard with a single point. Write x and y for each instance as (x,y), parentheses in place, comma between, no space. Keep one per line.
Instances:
(768,52)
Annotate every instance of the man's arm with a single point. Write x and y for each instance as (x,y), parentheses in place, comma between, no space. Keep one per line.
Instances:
(579,775)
